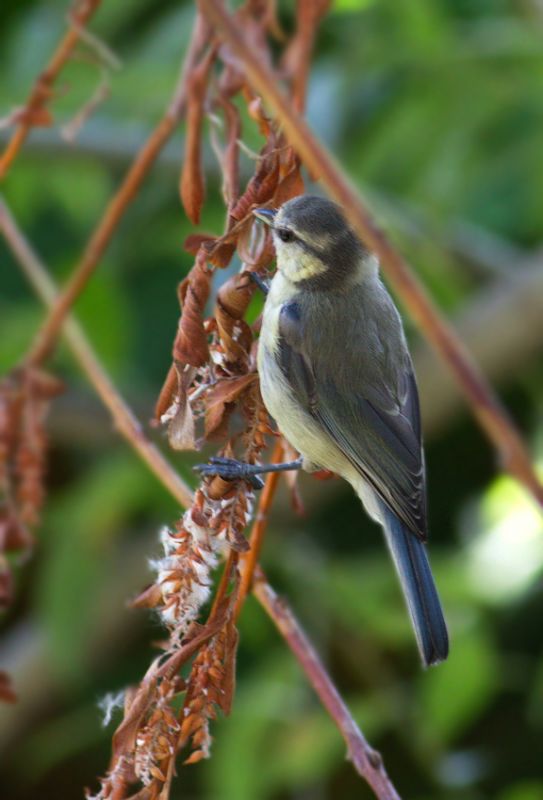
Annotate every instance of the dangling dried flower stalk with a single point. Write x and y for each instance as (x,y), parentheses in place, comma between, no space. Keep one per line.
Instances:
(211,392)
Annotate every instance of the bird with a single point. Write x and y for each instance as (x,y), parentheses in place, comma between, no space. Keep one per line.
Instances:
(337,377)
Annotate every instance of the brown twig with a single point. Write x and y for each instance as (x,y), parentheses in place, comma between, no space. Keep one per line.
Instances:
(367,762)
(250,559)
(485,405)
(125,421)
(47,335)
(41,91)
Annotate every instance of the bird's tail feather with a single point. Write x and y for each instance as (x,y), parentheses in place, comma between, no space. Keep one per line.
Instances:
(413,568)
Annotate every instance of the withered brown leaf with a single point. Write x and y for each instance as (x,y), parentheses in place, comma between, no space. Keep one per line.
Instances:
(225,392)
(190,345)
(192,186)
(181,428)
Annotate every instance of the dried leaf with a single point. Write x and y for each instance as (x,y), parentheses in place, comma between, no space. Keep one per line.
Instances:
(151,597)
(235,295)
(181,428)
(166,396)
(190,345)
(220,252)
(124,738)
(262,185)
(296,60)
(225,392)
(195,757)
(231,155)
(290,186)
(192,187)
(194,241)
(256,111)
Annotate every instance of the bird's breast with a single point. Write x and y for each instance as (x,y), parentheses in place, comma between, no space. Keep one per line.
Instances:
(293,420)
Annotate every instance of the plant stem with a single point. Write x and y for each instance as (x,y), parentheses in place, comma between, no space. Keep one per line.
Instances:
(367,762)
(250,559)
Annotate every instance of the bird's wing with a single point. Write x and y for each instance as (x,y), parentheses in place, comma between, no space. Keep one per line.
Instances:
(375,425)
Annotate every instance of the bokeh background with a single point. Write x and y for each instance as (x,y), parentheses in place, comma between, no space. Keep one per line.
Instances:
(435,109)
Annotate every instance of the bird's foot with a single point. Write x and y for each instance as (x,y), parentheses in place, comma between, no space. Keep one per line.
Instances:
(229,469)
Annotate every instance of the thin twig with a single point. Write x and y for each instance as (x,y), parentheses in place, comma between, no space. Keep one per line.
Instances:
(367,762)
(41,91)
(47,335)
(125,421)
(485,405)
(250,559)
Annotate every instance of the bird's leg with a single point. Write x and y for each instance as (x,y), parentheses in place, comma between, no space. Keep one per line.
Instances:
(231,470)
(260,282)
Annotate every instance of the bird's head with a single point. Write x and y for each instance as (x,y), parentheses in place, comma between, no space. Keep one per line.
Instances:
(315,246)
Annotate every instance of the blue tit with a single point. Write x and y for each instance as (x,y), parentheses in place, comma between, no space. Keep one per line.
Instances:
(337,377)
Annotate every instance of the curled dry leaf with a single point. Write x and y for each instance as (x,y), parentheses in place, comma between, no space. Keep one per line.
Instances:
(256,111)
(230,166)
(291,185)
(262,185)
(190,345)
(194,241)
(236,339)
(296,59)
(167,395)
(235,295)
(192,188)
(220,252)
(180,419)
(218,249)
(225,392)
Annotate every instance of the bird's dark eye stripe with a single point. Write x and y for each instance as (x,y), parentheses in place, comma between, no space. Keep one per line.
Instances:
(285,235)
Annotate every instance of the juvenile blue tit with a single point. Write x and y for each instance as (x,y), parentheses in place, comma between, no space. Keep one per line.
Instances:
(336,375)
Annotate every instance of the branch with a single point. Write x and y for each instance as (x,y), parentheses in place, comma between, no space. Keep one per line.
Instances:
(125,422)
(41,91)
(485,405)
(367,762)
(47,335)
(250,559)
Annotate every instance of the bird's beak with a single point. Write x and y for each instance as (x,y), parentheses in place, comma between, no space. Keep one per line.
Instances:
(266,215)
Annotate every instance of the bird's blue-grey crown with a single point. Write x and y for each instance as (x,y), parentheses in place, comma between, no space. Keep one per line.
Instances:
(315,231)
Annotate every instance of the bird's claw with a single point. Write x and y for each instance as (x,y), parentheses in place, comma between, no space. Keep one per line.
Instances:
(229,469)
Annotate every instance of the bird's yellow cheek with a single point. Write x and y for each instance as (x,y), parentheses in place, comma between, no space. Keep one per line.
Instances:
(298,265)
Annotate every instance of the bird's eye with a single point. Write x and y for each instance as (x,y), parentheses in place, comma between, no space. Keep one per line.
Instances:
(285,235)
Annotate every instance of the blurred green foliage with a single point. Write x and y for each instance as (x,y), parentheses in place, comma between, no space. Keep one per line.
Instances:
(434,107)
